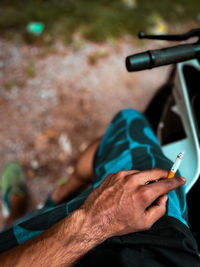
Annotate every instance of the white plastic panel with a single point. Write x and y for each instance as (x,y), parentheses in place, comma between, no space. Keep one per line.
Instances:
(189,167)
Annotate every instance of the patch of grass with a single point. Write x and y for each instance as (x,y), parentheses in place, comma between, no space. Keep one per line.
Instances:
(94,20)
(30,70)
(14,82)
(95,56)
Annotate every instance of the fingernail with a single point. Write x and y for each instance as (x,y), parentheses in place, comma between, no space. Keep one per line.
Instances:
(183,179)
(165,197)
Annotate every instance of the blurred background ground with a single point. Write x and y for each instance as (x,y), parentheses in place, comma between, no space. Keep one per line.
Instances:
(59,89)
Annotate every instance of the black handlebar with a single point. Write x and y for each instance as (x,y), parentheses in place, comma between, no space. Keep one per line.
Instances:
(160,57)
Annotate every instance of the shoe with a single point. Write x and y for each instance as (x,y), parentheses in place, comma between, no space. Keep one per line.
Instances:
(12,183)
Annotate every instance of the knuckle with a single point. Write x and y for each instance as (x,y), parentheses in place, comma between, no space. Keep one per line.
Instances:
(157,169)
(131,179)
(144,194)
(121,174)
(146,226)
(162,172)
(163,210)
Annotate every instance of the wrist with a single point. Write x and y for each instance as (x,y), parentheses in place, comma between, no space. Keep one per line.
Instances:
(91,229)
(85,231)
(96,225)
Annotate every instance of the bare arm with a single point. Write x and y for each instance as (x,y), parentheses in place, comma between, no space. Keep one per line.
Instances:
(61,245)
(104,214)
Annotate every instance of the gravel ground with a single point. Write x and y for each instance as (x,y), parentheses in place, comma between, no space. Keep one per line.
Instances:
(53,102)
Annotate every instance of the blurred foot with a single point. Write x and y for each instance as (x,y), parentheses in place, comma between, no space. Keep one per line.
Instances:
(13,191)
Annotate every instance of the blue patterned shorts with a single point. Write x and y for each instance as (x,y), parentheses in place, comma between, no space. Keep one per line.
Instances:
(128,143)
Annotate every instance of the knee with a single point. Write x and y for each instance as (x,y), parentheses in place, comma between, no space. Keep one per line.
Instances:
(127,113)
(131,112)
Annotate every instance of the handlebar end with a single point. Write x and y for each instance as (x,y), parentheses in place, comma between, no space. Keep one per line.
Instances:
(128,65)
(138,62)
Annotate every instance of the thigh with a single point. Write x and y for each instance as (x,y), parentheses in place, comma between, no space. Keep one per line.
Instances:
(128,143)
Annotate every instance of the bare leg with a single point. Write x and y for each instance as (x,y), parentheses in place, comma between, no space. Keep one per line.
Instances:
(82,175)
(13,191)
(17,208)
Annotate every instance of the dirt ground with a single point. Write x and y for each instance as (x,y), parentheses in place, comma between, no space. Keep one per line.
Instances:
(53,103)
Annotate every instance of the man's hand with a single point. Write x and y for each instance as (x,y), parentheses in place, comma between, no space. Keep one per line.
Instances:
(126,202)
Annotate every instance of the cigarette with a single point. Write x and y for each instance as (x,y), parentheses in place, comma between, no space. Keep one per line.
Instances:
(176,165)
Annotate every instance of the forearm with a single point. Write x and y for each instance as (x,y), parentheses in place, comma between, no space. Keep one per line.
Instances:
(61,245)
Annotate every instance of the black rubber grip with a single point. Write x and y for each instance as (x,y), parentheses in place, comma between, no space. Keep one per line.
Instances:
(160,57)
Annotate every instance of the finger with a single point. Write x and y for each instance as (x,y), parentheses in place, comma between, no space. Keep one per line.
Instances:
(162,187)
(127,173)
(157,210)
(150,175)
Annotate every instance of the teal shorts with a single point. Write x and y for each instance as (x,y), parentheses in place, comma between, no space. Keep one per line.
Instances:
(128,143)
